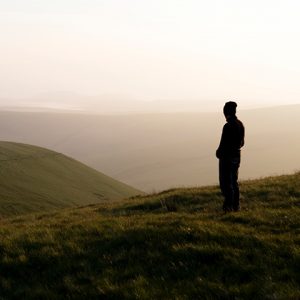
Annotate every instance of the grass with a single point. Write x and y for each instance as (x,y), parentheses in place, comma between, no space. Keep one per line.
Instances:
(172,245)
(37,179)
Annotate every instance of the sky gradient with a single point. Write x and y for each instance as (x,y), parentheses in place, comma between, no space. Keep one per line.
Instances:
(158,50)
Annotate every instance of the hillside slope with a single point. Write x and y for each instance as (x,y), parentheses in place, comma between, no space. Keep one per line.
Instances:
(173,245)
(37,179)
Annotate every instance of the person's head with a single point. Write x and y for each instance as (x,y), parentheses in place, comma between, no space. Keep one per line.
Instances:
(229,109)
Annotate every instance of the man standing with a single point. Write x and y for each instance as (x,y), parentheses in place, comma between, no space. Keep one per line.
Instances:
(229,155)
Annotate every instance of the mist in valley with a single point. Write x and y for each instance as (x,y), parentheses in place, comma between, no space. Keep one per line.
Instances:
(154,152)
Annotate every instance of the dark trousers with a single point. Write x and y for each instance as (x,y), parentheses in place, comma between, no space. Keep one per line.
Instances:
(228,176)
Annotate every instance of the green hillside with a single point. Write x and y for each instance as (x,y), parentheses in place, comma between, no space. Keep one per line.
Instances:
(37,179)
(173,245)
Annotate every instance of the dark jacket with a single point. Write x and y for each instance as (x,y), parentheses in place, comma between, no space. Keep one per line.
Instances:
(232,139)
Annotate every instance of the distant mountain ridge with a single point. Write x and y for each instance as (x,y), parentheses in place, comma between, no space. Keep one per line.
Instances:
(37,179)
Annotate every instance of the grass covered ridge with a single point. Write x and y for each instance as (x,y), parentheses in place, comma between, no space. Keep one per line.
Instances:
(38,179)
(172,245)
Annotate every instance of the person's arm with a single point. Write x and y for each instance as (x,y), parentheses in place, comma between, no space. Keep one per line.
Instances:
(243,136)
(221,149)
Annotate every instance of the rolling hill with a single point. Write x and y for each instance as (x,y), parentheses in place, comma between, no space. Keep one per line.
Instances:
(173,245)
(37,179)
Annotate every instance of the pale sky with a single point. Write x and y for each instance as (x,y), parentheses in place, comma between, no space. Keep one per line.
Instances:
(151,50)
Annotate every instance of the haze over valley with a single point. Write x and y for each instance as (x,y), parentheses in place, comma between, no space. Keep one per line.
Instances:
(153,152)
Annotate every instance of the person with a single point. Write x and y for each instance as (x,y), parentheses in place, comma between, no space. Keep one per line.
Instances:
(229,155)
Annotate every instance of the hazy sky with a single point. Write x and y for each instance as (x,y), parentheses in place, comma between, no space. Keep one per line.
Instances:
(152,49)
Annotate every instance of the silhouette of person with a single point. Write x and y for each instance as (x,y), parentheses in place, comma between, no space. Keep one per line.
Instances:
(229,155)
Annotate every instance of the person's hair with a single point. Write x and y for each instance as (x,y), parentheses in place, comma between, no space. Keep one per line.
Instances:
(230,108)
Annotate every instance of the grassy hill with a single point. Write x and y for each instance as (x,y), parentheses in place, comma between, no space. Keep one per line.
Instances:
(37,179)
(172,245)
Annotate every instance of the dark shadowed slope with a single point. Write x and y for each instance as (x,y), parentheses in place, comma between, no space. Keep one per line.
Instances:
(37,179)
